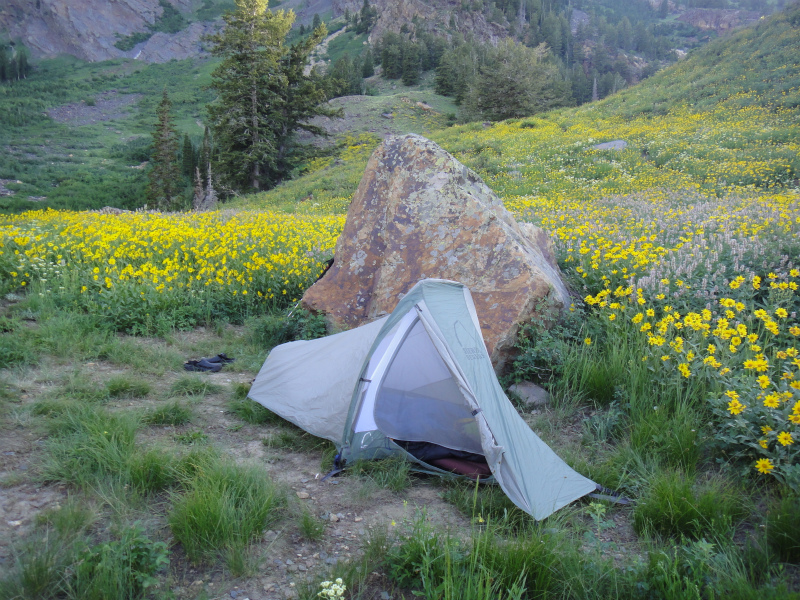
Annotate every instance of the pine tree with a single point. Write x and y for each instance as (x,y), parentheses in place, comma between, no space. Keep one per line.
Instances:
(164,187)
(263,95)
(188,157)
(3,64)
(368,68)
(22,65)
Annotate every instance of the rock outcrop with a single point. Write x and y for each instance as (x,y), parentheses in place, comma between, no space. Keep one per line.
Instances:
(720,20)
(419,213)
(89,29)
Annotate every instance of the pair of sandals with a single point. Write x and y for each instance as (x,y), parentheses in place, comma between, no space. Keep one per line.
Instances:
(213,364)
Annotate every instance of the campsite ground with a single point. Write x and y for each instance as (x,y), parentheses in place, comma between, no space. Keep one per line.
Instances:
(348,513)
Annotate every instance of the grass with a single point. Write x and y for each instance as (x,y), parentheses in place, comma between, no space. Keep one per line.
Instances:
(173,413)
(124,386)
(193,386)
(678,506)
(224,509)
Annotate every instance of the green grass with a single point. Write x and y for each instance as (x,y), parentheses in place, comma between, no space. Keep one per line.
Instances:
(225,507)
(194,386)
(783,527)
(173,413)
(677,505)
(125,386)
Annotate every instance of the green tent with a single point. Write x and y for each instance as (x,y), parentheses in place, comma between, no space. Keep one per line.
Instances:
(418,383)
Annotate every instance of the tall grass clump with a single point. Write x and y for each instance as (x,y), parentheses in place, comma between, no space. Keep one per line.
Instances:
(172,413)
(125,386)
(223,509)
(783,527)
(87,445)
(678,506)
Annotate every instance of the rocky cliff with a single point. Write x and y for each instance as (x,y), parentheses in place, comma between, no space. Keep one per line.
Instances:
(718,19)
(431,15)
(88,29)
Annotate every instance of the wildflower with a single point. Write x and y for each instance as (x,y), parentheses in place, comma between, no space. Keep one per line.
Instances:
(763,443)
(684,369)
(785,438)
(756,282)
(587,341)
(735,407)
(781,312)
(763,381)
(766,429)
(772,401)
(764,465)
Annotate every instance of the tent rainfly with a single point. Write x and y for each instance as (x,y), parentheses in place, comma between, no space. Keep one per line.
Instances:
(418,383)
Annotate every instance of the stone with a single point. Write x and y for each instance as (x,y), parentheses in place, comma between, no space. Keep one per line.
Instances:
(530,393)
(420,213)
(334,518)
(303,495)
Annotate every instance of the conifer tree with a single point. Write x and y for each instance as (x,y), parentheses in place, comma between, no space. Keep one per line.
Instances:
(368,68)
(263,95)
(188,157)
(3,64)
(164,186)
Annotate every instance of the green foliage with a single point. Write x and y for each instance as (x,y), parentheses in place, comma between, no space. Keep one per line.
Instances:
(163,190)
(263,96)
(291,437)
(487,502)
(252,412)
(392,473)
(88,445)
(195,386)
(311,528)
(122,568)
(516,81)
(676,505)
(125,386)
(783,527)
(225,507)
(173,413)
(298,324)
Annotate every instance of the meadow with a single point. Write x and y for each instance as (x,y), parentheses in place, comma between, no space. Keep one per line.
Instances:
(674,376)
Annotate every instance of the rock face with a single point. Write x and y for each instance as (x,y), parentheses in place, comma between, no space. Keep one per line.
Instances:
(89,29)
(419,213)
(718,19)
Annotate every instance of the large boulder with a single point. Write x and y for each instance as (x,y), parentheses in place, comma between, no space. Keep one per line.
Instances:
(420,213)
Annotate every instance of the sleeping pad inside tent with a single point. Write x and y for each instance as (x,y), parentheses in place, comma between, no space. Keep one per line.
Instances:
(418,383)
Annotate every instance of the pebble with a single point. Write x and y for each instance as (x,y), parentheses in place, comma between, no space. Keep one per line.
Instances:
(234,594)
(358,519)
(334,518)
(303,495)
(304,480)
(385,596)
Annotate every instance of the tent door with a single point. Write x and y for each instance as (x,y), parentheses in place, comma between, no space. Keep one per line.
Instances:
(409,394)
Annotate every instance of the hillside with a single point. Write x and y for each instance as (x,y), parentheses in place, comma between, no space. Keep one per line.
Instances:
(737,130)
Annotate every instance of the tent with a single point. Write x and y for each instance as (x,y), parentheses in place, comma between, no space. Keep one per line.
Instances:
(418,383)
